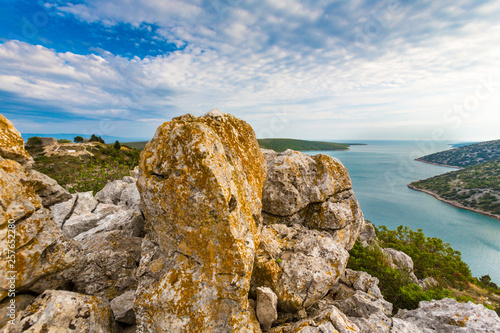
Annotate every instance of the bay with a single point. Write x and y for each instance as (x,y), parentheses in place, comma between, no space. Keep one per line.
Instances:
(380,172)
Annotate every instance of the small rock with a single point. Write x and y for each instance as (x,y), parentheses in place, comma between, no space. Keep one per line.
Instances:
(267,303)
(123,307)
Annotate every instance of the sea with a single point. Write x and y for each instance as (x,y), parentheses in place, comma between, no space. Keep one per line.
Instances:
(380,172)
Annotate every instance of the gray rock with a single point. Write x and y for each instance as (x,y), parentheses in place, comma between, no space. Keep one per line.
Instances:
(448,315)
(330,319)
(428,283)
(10,310)
(367,233)
(267,303)
(112,258)
(298,264)
(361,281)
(401,326)
(65,311)
(120,192)
(85,204)
(363,305)
(402,262)
(49,191)
(123,307)
(63,211)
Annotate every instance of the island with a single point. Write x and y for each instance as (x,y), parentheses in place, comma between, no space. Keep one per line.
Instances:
(476,186)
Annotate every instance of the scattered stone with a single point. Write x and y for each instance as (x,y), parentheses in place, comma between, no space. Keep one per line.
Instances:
(200,184)
(267,303)
(65,311)
(448,315)
(123,307)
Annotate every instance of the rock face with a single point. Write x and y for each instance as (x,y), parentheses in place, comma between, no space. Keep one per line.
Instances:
(200,184)
(44,257)
(12,144)
(47,189)
(447,315)
(298,264)
(314,191)
(65,311)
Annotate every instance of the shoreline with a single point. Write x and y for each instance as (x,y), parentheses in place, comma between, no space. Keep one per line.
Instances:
(443,165)
(455,203)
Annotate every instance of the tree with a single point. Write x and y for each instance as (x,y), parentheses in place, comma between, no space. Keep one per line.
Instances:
(78,139)
(95,138)
(117,145)
(34,141)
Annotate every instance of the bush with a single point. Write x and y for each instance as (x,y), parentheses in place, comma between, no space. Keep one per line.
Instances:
(117,145)
(34,141)
(78,139)
(95,138)
(63,141)
(394,284)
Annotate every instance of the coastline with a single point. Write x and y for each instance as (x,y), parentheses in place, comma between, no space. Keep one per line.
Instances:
(443,165)
(454,203)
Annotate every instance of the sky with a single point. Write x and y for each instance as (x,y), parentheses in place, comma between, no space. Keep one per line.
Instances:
(311,69)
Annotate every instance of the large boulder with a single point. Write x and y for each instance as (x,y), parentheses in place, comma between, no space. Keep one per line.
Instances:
(49,191)
(298,264)
(12,144)
(44,257)
(314,191)
(200,184)
(120,192)
(448,315)
(65,311)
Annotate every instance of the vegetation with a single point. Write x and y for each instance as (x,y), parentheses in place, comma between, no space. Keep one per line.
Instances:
(475,187)
(89,172)
(432,258)
(34,141)
(63,141)
(78,139)
(95,138)
(280,145)
(466,155)
(117,145)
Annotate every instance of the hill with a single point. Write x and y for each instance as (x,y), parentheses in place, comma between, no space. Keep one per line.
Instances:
(475,188)
(71,136)
(86,166)
(280,145)
(466,155)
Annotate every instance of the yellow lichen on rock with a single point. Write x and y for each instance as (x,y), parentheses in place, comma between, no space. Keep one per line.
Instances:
(201,187)
(11,143)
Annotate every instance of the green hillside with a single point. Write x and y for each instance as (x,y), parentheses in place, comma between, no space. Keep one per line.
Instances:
(300,145)
(466,156)
(475,187)
(136,145)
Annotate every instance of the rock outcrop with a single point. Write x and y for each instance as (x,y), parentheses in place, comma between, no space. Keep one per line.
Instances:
(65,311)
(201,187)
(40,257)
(448,315)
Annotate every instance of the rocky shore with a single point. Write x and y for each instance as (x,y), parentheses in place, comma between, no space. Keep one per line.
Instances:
(209,234)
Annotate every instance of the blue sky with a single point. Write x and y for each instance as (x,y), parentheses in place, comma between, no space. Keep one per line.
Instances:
(415,70)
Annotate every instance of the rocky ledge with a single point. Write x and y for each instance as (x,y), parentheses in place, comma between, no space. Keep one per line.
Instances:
(211,234)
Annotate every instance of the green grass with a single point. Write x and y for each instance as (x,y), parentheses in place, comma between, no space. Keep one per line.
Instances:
(466,156)
(89,173)
(475,187)
(280,145)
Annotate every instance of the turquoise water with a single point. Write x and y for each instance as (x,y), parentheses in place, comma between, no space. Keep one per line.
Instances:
(380,172)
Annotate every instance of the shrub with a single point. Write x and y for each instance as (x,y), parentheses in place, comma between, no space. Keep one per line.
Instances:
(34,141)
(117,145)
(64,141)
(78,139)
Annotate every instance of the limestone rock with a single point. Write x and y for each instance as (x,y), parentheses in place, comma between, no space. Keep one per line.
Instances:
(402,262)
(123,307)
(63,211)
(44,257)
(313,191)
(447,315)
(11,307)
(298,264)
(49,191)
(120,192)
(112,259)
(200,185)
(295,179)
(401,326)
(12,144)
(267,303)
(361,281)
(328,320)
(428,283)
(367,233)
(65,311)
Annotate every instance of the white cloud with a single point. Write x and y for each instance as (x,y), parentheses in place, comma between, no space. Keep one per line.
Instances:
(254,58)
